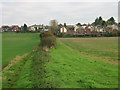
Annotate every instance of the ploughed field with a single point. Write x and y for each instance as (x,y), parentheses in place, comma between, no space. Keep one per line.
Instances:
(74,63)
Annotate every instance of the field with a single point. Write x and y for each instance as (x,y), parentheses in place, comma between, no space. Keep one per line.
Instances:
(16,44)
(79,62)
(104,48)
(74,63)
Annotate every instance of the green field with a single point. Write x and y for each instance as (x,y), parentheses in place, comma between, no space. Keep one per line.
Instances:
(16,44)
(105,48)
(74,69)
(74,63)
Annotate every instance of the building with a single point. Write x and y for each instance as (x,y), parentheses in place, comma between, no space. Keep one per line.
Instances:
(36,28)
(45,28)
(63,30)
(14,28)
(5,28)
(115,27)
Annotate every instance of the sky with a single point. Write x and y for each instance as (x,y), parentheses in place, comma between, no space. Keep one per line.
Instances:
(13,12)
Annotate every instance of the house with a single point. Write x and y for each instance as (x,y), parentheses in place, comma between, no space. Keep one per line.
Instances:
(108,29)
(76,28)
(63,30)
(87,30)
(79,30)
(36,28)
(5,28)
(14,28)
(32,28)
(115,27)
(83,27)
(99,29)
(45,28)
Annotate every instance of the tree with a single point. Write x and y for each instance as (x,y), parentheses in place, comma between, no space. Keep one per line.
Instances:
(119,24)
(96,21)
(78,24)
(25,28)
(53,23)
(100,18)
(89,24)
(84,24)
(111,21)
(54,27)
(103,23)
(60,25)
(65,25)
(100,21)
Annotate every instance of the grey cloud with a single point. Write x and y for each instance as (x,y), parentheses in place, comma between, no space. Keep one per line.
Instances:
(69,12)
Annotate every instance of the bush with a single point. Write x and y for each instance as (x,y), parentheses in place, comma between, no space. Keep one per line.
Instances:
(48,40)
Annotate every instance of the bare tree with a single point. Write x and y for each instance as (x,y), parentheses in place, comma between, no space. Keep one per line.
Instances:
(54,27)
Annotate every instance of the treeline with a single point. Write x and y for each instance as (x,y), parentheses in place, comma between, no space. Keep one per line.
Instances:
(100,21)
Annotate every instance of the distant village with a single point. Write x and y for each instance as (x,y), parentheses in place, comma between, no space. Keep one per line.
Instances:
(16,28)
(97,28)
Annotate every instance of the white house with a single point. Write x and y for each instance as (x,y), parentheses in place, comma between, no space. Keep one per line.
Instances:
(76,28)
(63,30)
(91,28)
(32,28)
(114,27)
(36,27)
(45,28)
(83,27)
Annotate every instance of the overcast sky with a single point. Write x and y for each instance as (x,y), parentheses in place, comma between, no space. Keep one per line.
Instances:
(34,12)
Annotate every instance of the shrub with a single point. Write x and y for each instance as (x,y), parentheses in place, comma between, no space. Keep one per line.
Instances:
(48,40)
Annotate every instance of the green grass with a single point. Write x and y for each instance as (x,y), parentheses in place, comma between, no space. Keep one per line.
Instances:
(103,47)
(11,73)
(69,65)
(16,44)
(71,69)
(25,77)
(31,75)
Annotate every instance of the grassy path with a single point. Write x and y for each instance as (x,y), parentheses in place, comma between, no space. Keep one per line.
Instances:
(11,72)
(73,70)
(31,71)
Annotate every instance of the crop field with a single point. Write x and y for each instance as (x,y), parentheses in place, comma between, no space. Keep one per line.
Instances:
(16,44)
(74,63)
(105,48)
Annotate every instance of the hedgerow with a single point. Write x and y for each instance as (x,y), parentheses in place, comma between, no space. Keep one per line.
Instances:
(48,40)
